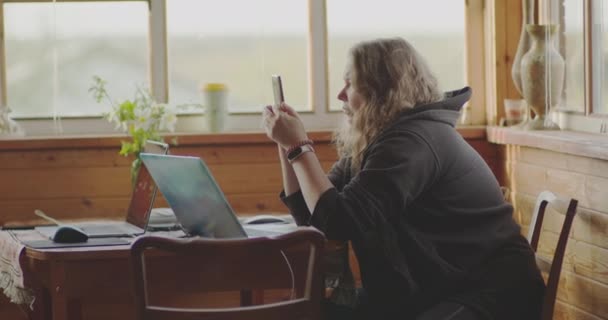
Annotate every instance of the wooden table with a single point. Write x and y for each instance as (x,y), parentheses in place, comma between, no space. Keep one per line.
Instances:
(64,279)
(95,282)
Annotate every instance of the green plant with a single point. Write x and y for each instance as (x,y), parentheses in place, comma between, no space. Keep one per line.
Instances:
(143,118)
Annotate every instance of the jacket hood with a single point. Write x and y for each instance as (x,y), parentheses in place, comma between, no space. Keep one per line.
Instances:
(446,110)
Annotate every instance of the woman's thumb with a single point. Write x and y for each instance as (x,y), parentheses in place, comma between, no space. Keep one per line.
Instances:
(286,108)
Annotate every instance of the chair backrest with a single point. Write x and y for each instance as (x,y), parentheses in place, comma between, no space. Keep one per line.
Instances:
(291,262)
(564,206)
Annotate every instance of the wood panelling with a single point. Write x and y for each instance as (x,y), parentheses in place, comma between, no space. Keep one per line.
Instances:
(71,208)
(63,159)
(564,311)
(53,183)
(567,162)
(503,25)
(67,185)
(590,226)
(583,291)
(86,178)
(594,227)
(581,258)
(579,144)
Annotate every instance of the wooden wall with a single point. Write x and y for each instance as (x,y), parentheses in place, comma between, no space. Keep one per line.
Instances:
(91,180)
(583,291)
(86,178)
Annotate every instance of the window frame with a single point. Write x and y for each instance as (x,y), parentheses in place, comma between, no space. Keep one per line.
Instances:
(320,117)
(587,120)
(2,59)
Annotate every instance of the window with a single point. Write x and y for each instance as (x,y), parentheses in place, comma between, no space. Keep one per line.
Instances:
(52,49)
(440,39)
(210,41)
(600,54)
(572,38)
(583,42)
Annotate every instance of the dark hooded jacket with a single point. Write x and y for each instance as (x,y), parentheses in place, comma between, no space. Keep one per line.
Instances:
(427,221)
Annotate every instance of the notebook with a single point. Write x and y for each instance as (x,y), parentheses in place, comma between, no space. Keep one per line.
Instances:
(197,200)
(138,213)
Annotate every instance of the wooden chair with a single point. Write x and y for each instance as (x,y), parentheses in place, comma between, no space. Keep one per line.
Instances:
(547,199)
(291,261)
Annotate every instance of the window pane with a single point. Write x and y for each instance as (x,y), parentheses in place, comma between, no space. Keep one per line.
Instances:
(573,51)
(53,50)
(434,27)
(600,51)
(239,43)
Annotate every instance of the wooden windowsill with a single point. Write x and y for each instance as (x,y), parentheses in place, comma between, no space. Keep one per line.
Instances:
(183,139)
(114,140)
(571,142)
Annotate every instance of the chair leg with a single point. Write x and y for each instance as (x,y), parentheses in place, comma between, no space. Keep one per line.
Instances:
(246,297)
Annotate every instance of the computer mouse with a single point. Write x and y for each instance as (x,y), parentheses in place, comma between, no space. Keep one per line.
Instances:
(264,218)
(69,234)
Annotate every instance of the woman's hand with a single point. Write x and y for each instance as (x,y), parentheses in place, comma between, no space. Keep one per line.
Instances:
(283,125)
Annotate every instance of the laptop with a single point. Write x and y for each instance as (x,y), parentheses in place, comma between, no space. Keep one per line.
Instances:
(197,201)
(138,213)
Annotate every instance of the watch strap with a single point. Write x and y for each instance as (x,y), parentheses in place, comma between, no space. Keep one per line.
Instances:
(299,144)
(298,152)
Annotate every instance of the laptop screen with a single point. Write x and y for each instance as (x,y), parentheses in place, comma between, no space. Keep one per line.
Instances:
(196,199)
(144,190)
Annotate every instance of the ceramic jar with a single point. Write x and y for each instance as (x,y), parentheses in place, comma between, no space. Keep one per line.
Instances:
(542,72)
(216,106)
(524,42)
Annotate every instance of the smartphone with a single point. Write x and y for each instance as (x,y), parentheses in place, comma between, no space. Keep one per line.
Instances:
(156,147)
(277,90)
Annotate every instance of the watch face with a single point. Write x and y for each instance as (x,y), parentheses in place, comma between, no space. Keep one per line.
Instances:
(294,154)
(297,152)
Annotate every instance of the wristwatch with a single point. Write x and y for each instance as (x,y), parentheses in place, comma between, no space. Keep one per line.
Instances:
(298,151)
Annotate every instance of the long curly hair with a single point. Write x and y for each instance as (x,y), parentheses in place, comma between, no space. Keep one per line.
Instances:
(391,76)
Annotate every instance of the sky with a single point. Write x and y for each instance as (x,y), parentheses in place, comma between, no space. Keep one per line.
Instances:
(201,17)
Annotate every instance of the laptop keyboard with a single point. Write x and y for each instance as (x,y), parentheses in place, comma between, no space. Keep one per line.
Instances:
(116,230)
(252,233)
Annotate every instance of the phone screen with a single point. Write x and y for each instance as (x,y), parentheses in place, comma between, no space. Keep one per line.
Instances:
(277,90)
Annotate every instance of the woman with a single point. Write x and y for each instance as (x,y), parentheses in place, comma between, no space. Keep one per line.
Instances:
(432,233)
